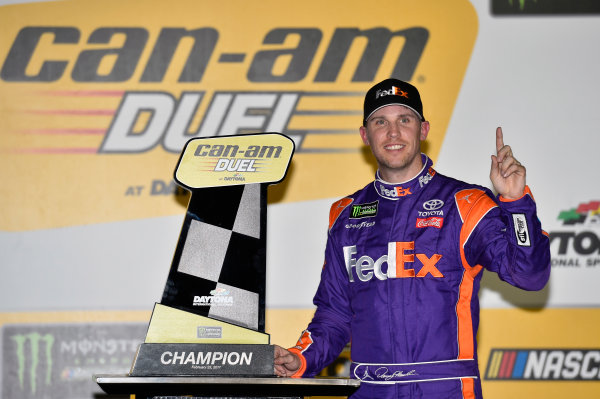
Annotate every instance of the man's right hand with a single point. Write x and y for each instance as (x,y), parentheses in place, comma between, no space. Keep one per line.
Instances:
(286,362)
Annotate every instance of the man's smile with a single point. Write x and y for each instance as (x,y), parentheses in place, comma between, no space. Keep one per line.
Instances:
(394,146)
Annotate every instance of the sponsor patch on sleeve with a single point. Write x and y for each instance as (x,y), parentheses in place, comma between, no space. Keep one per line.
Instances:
(521,229)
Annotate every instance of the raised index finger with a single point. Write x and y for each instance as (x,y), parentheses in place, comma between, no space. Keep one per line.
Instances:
(499,139)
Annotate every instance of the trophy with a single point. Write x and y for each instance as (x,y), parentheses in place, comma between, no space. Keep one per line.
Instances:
(207,335)
(211,319)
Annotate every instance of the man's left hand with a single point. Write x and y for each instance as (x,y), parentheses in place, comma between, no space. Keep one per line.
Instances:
(507,174)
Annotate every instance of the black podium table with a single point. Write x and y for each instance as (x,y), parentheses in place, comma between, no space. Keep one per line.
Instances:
(148,387)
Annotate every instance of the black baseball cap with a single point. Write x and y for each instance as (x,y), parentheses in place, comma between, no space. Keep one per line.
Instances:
(392,92)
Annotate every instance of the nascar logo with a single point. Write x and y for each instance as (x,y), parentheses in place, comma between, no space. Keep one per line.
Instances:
(544,364)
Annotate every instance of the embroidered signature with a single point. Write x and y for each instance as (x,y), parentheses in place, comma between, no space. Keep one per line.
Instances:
(382,373)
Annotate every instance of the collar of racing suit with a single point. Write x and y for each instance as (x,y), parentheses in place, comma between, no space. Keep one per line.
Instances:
(395,191)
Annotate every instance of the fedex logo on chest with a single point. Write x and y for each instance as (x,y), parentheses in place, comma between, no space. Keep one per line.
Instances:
(399,263)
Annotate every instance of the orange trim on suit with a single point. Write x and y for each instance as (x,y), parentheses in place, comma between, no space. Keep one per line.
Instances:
(473,205)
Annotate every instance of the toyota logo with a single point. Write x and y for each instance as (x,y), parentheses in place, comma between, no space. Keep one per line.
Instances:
(433,204)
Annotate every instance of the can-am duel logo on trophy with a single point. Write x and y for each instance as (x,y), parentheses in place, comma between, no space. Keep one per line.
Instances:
(235,160)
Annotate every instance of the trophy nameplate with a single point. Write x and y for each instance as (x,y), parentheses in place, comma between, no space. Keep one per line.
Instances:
(203,359)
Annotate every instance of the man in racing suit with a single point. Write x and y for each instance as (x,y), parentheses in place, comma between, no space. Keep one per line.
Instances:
(404,259)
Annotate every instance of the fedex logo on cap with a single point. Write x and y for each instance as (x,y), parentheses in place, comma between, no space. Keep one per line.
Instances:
(394,91)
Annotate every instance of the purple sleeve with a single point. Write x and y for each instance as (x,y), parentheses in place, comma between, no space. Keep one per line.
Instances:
(329,330)
(510,242)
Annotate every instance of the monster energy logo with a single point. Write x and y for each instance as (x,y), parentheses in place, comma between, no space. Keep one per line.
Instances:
(364,210)
(36,341)
(521,3)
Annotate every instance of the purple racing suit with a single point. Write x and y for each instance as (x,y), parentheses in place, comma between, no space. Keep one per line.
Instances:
(403,263)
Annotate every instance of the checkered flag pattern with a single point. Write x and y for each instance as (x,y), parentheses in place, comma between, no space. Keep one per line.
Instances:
(218,269)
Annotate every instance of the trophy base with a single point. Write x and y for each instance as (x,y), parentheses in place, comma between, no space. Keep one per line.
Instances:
(179,343)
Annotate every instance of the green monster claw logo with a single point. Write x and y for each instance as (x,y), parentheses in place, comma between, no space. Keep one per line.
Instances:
(364,210)
(34,340)
(521,3)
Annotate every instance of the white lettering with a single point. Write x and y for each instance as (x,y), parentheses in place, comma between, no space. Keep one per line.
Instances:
(121,137)
(382,93)
(206,358)
(169,119)
(190,358)
(366,267)
(177,357)
(233,358)
(221,165)
(423,180)
(430,213)
(246,358)
(535,365)
(378,268)
(391,260)
(360,225)
(387,192)
(349,260)
(572,365)
(554,362)
(235,165)
(163,358)
(176,135)
(217,356)
(203,358)
(364,264)
(588,372)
